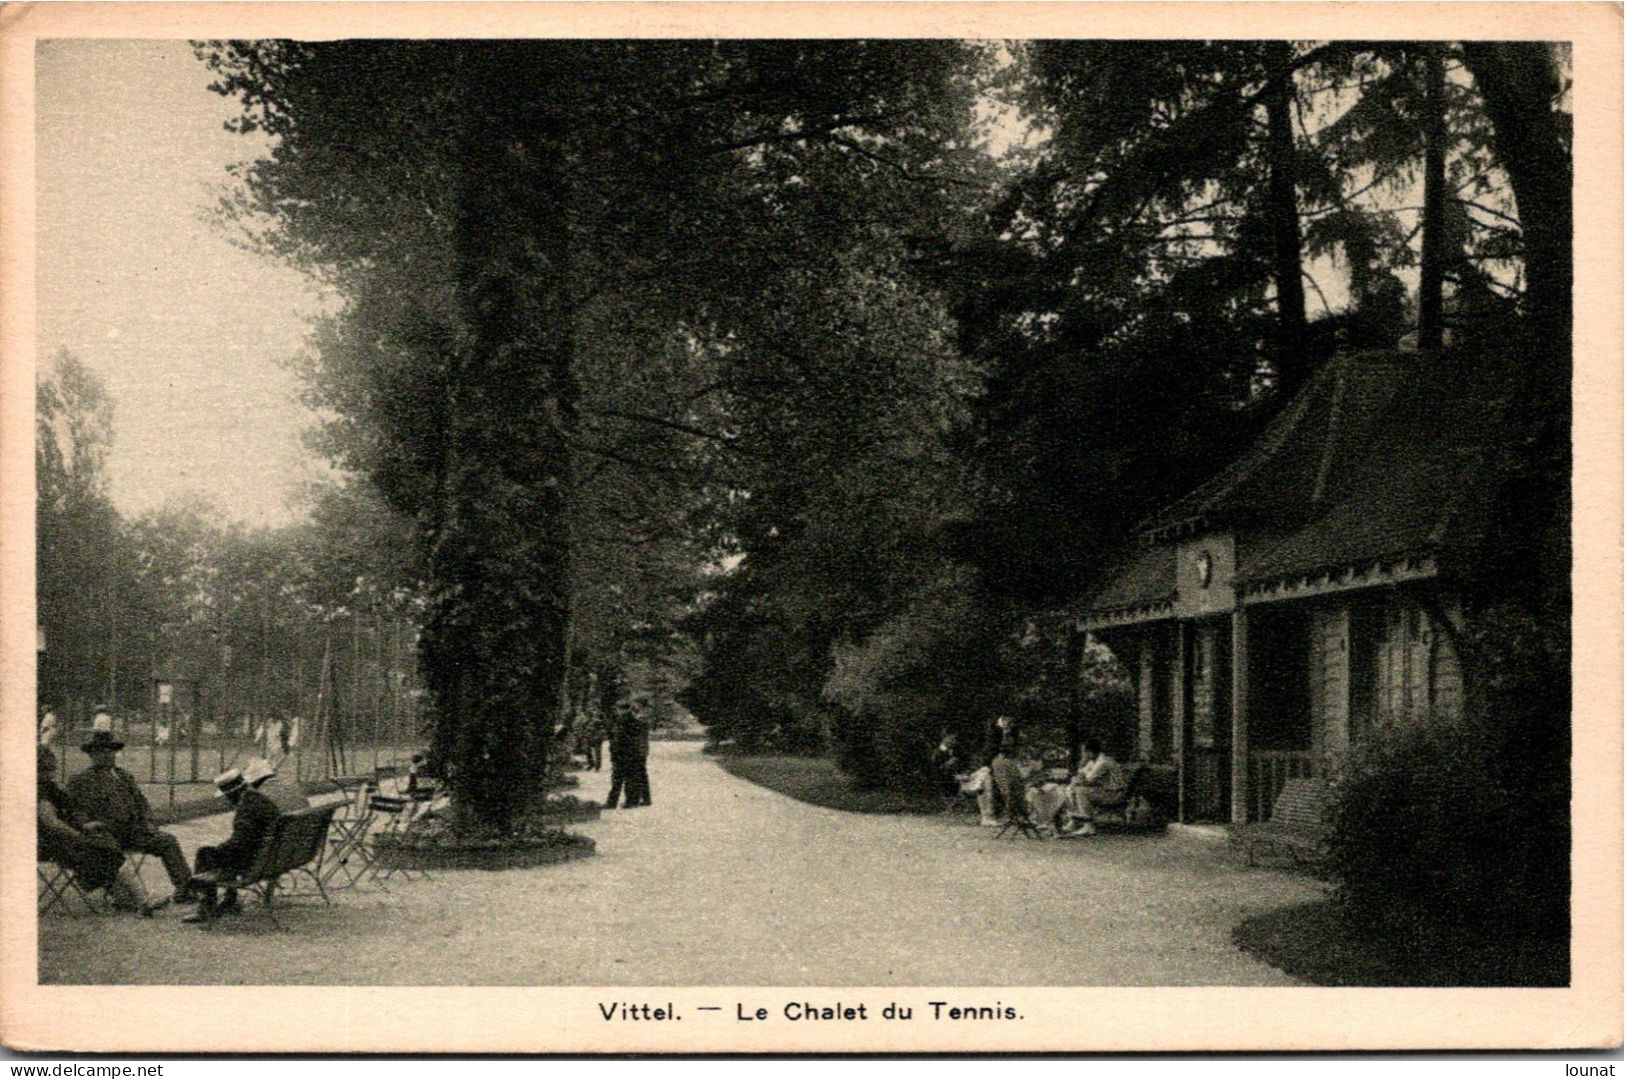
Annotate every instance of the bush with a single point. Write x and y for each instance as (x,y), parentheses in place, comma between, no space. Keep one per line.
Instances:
(1450,837)
(936,666)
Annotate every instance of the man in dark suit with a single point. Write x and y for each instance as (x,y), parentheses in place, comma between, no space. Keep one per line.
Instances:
(628,759)
(256,815)
(637,776)
(106,795)
(620,760)
(91,855)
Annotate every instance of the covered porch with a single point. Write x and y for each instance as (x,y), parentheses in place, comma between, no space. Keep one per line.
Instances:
(1280,686)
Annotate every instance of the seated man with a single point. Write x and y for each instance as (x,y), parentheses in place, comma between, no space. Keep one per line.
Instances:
(93,857)
(106,795)
(1099,781)
(255,816)
(283,791)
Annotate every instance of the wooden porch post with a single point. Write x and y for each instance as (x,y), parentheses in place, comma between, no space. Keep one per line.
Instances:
(1074,697)
(1146,695)
(1177,675)
(1238,715)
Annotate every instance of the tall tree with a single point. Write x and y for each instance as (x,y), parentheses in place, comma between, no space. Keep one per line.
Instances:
(83,586)
(473,199)
(1523,91)
(1430,290)
(1286,236)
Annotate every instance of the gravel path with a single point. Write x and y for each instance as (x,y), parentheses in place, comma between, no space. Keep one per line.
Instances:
(722,882)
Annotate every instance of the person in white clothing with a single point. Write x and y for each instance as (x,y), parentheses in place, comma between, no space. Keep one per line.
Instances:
(1099,780)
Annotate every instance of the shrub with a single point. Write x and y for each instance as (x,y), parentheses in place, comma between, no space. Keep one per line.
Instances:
(934,667)
(1450,837)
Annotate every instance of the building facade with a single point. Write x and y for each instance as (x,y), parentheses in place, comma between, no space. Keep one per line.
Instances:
(1305,596)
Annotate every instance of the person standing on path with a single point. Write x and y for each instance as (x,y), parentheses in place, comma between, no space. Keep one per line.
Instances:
(620,761)
(106,794)
(637,778)
(592,741)
(1003,777)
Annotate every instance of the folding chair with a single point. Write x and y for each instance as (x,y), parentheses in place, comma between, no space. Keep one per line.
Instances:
(57,887)
(1019,817)
(346,854)
(135,860)
(394,815)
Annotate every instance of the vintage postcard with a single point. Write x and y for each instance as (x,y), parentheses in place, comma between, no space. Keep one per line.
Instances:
(842,528)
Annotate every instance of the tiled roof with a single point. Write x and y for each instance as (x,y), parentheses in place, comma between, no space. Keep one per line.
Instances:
(1305,451)
(1381,456)
(1144,579)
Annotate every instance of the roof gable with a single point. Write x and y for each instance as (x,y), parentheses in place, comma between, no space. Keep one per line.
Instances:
(1381,456)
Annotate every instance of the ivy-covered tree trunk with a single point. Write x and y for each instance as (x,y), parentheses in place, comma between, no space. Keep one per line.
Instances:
(494,652)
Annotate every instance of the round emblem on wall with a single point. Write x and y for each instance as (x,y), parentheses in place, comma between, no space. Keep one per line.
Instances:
(1204,569)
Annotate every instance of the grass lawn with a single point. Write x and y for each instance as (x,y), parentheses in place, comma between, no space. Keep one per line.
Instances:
(1311,942)
(817,781)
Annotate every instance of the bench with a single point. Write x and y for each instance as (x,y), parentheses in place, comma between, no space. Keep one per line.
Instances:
(293,845)
(1296,828)
(1124,808)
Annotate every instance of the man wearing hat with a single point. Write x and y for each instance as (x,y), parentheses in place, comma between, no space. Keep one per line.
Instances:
(107,795)
(254,818)
(93,857)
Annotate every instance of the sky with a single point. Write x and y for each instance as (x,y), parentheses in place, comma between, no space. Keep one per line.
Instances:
(189,331)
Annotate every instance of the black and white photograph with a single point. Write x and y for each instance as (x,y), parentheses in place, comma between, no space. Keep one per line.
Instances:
(1003,519)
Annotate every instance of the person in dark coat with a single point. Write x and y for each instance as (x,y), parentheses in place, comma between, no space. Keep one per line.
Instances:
(620,761)
(591,740)
(628,760)
(637,766)
(107,795)
(617,767)
(92,856)
(1003,744)
(256,815)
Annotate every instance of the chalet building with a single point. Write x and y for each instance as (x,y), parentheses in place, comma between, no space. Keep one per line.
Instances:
(1287,608)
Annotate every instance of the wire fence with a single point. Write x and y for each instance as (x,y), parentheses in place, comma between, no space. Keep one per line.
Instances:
(177,762)
(321,700)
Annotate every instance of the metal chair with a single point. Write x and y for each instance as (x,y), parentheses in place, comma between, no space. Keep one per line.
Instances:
(346,853)
(58,887)
(1018,814)
(394,815)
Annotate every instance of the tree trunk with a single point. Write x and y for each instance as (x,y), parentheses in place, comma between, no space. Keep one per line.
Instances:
(1074,698)
(1520,85)
(496,636)
(1291,359)
(1430,325)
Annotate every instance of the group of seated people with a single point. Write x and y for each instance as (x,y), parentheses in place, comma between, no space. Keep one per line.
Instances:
(91,827)
(1067,806)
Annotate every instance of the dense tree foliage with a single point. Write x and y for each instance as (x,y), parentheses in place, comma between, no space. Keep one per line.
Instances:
(543,183)
(84,587)
(753,353)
